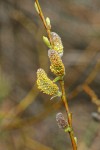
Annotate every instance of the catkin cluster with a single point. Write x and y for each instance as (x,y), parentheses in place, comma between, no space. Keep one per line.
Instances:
(57,67)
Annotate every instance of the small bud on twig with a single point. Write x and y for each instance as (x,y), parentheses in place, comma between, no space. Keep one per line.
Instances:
(75,138)
(48,22)
(36,7)
(46,41)
(62,123)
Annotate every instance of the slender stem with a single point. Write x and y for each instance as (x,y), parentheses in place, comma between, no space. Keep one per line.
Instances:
(73,140)
(69,115)
(44,22)
(64,96)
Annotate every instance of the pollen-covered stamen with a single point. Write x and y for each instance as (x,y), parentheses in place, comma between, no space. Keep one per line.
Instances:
(62,123)
(57,43)
(45,84)
(57,66)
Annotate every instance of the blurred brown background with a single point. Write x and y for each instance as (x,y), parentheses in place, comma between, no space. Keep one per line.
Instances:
(27,117)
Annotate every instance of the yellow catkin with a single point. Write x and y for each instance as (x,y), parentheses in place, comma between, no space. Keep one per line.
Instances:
(57,43)
(57,66)
(45,84)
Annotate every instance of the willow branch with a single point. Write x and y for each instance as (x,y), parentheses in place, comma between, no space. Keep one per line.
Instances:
(63,97)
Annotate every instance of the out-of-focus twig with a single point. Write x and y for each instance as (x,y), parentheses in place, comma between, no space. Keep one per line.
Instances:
(92,94)
(19,123)
(33,144)
(8,118)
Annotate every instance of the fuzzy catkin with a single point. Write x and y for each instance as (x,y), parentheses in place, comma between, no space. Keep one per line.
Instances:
(45,84)
(57,43)
(57,66)
(62,123)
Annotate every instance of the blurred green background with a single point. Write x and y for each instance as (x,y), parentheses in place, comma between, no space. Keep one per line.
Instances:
(27,117)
